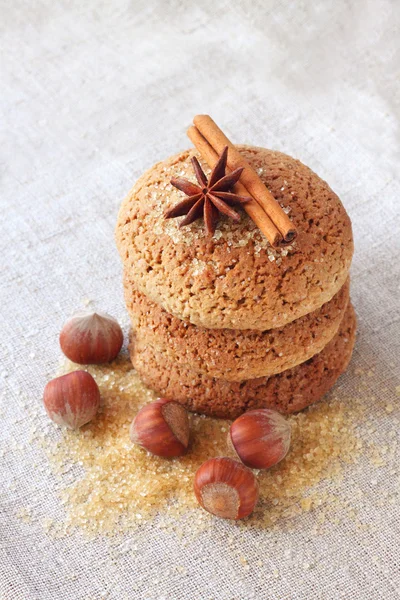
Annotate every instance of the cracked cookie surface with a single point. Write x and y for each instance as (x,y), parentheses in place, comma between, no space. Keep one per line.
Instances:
(235,279)
(234,354)
(287,392)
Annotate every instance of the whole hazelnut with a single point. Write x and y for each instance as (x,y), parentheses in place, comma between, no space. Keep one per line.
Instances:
(72,400)
(226,488)
(162,428)
(91,338)
(260,438)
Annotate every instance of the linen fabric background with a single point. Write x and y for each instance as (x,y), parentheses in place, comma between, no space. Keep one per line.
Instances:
(92,94)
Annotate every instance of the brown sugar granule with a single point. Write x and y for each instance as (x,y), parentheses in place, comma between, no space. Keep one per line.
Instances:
(246,284)
(116,485)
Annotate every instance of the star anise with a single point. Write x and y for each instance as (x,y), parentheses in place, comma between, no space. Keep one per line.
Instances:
(210,197)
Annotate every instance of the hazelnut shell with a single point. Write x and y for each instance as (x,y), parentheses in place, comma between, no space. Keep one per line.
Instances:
(72,400)
(226,488)
(91,338)
(162,428)
(260,438)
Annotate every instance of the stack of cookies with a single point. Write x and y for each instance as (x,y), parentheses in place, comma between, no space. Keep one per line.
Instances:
(227,323)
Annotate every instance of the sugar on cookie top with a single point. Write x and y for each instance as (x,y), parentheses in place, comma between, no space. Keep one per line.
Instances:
(163,195)
(236,279)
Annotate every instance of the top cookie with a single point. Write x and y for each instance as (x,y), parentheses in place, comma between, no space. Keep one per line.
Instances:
(235,279)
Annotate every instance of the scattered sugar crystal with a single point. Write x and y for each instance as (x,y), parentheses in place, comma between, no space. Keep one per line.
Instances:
(119,486)
(25,514)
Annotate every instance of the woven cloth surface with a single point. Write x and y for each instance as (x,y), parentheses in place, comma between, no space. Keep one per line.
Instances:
(93,93)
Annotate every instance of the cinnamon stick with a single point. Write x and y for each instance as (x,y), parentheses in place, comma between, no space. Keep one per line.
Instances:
(249,178)
(253,209)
